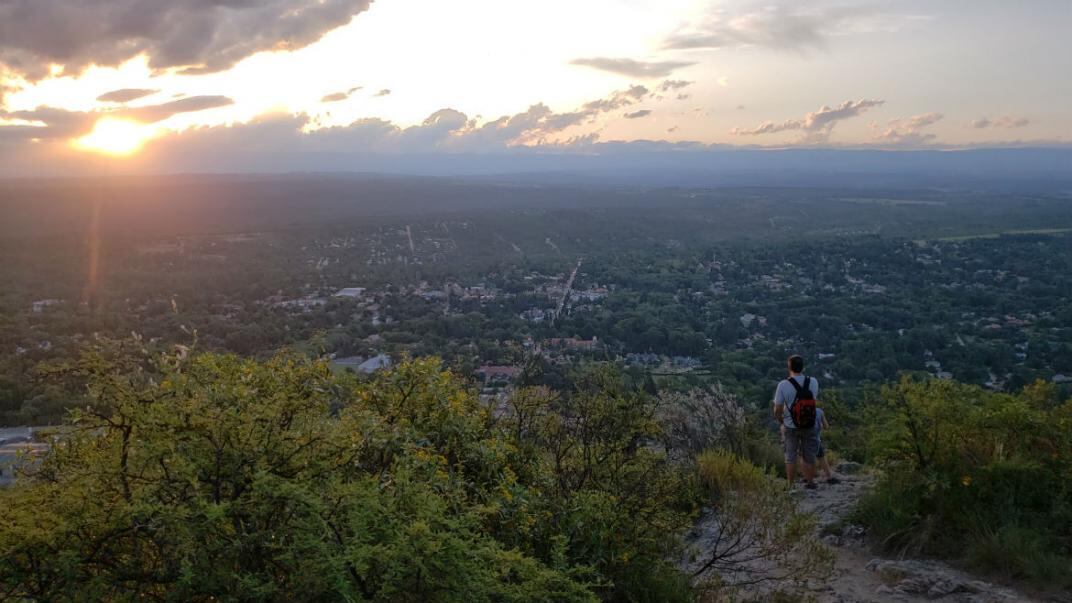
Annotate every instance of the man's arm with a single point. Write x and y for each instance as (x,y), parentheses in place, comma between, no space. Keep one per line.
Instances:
(825,424)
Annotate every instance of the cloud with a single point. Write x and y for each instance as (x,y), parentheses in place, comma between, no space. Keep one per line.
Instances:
(446,130)
(671,85)
(48,123)
(1005,121)
(617,100)
(125,95)
(907,131)
(52,123)
(638,114)
(154,113)
(539,125)
(632,68)
(384,92)
(339,96)
(194,35)
(774,27)
(781,27)
(450,130)
(447,143)
(815,126)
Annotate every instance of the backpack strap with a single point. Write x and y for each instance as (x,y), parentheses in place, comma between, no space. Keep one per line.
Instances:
(800,388)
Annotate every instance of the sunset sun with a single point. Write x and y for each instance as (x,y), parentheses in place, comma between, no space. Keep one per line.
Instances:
(118,137)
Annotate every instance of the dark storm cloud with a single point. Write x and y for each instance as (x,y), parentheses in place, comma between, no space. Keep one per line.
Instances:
(196,35)
(125,95)
(632,68)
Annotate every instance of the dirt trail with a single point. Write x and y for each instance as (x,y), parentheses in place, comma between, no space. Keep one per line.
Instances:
(861,575)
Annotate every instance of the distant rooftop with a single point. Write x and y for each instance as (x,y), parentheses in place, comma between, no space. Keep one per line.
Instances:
(376,363)
(350,292)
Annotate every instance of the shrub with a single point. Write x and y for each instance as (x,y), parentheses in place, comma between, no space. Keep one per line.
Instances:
(617,501)
(206,477)
(710,418)
(1013,552)
(963,464)
(760,535)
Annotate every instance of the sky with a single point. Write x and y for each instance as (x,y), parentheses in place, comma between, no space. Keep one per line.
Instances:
(143,85)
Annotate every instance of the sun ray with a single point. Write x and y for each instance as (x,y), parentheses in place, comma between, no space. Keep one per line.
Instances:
(117,137)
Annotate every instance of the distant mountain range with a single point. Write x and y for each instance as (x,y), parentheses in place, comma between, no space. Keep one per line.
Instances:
(638,163)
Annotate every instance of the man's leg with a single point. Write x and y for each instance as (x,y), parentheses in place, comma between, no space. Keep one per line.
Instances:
(809,446)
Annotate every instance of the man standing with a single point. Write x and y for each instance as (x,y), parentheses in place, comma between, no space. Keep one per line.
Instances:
(792,398)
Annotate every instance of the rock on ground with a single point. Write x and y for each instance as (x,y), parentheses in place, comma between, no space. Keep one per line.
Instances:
(860,576)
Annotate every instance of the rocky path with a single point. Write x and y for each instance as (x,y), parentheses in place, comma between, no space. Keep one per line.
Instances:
(859,575)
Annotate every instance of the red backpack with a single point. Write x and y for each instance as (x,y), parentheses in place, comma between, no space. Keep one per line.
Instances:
(802,411)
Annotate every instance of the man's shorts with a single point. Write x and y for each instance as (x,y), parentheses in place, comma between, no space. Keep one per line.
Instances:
(822,451)
(800,442)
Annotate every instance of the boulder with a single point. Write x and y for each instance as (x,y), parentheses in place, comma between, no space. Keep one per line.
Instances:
(936,581)
(848,468)
(854,531)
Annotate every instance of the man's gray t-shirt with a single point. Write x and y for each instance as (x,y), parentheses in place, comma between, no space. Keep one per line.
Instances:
(785,394)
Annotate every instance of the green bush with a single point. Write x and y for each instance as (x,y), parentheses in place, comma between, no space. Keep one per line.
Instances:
(215,478)
(1014,552)
(966,465)
(756,520)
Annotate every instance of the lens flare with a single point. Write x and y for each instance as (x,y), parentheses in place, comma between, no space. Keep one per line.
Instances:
(118,137)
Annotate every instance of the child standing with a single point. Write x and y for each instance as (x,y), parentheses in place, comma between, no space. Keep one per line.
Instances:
(824,465)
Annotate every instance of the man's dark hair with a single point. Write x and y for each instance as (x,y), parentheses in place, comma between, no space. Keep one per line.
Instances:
(796,363)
